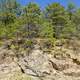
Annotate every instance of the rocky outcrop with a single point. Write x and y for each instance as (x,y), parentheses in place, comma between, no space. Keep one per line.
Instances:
(58,64)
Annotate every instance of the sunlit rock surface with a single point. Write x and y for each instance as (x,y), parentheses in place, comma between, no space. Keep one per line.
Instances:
(60,64)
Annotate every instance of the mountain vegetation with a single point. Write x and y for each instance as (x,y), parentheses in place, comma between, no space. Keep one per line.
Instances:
(31,29)
(55,21)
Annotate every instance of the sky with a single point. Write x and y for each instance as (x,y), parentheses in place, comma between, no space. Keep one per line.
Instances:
(44,3)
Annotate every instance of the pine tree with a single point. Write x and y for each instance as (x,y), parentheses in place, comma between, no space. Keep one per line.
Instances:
(33,15)
(55,13)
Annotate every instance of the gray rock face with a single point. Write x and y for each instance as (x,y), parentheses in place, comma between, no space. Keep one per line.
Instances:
(36,63)
(59,65)
(47,67)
